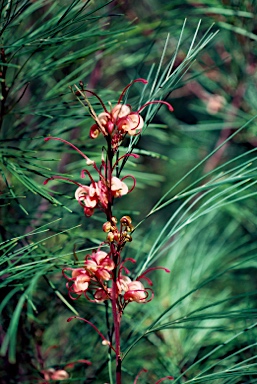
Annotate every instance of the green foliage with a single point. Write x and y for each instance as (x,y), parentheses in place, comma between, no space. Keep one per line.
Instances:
(193,207)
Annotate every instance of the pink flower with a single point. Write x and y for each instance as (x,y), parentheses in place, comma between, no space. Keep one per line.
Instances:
(121,117)
(98,256)
(136,292)
(123,284)
(52,374)
(81,280)
(102,294)
(95,195)
(120,120)
(118,187)
(91,266)
(119,111)
(89,196)
(132,124)
(99,264)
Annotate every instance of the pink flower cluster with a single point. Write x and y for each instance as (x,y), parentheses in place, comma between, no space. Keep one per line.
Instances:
(96,195)
(93,278)
(120,120)
(120,117)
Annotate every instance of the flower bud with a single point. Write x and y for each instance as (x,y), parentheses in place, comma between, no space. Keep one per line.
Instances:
(106,342)
(110,237)
(94,131)
(114,220)
(116,236)
(107,226)
(126,220)
(128,238)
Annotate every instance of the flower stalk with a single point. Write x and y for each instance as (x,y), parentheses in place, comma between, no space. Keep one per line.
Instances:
(104,275)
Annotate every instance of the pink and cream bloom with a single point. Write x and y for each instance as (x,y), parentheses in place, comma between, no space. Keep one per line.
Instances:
(88,198)
(96,194)
(102,294)
(136,292)
(118,187)
(131,124)
(121,119)
(92,196)
(99,265)
(52,374)
(123,284)
(81,280)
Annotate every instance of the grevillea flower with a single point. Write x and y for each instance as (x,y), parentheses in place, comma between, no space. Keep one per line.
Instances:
(99,265)
(120,120)
(52,374)
(97,271)
(81,280)
(102,294)
(136,292)
(118,187)
(131,124)
(96,194)
(123,284)
(88,197)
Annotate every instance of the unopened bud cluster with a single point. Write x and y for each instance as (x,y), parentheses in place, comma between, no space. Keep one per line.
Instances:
(119,235)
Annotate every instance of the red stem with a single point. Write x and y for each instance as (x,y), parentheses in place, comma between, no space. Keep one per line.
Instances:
(115,308)
(116,322)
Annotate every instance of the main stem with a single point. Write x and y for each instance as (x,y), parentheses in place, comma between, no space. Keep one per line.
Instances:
(115,310)
(116,322)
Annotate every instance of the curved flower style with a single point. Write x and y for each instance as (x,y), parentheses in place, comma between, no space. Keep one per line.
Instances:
(120,120)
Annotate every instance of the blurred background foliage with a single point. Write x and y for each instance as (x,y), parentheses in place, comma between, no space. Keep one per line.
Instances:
(196,185)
